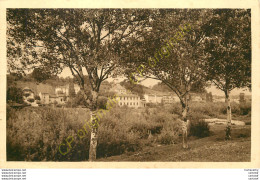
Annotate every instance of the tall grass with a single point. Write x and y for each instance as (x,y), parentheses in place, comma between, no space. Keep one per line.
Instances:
(203,110)
(34,134)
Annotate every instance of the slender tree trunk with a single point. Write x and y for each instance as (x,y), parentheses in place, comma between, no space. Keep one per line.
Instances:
(93,138)
(94,127)
(185,122)
(228,128)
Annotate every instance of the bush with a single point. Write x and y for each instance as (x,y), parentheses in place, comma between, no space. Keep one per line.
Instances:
(170,132)
(37,97)
(101,102)
(14,94)
(31,100)
(34,134)
(245,108)
(199,128)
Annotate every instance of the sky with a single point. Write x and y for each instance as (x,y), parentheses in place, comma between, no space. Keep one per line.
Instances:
(151,82)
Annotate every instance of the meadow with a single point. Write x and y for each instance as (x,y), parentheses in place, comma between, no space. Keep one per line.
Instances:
(34,134)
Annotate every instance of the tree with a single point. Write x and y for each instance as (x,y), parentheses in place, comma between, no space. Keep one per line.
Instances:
(228,48)
(87,41)
(171,52)
(41,74)
(136,89)
(14,94)
(72,90)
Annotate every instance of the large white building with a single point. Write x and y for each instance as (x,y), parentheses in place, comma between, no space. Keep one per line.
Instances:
(130,100)
(165,99)
(153,98)
(126,98)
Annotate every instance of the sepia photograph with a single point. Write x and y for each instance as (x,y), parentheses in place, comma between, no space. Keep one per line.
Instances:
(128,85)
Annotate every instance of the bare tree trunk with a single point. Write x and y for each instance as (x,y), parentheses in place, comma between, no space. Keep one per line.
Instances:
(94,127)
(93,138)
(228,128)
(185,124)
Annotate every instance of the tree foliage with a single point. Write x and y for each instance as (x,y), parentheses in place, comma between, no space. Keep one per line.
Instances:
(171,51)
(14,94)
(87,41)
(41,75)
(228,48)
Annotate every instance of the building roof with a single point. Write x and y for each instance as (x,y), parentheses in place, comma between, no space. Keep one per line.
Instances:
(45,88)
(53,96)
(27,89)
(127,95)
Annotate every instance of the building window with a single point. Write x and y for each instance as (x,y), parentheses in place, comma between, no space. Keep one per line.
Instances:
(137,104)
(130,103)
(124,98)
(134,103)
(120,104)
(120,98)
(127,104)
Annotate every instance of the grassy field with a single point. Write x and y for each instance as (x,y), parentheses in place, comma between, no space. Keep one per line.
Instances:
(208,149)
(125,134)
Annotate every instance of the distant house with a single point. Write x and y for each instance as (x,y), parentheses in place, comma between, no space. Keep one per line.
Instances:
(153,98)
(45,98)
(65,89)
(170,99)
(62,90)
(45,91)
(125,98)
(77,88)
(161,98)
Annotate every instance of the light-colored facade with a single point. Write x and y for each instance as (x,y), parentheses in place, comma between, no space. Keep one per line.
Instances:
(165,99)
(153,98)
(125,98)
(77,88)
(45,98)
(130,100)
(62,90)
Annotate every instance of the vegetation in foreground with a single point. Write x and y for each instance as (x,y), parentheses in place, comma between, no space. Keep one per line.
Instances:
(34,134)
(208,149)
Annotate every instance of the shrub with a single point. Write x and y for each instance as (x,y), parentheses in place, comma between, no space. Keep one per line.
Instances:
(14,94)
(37,97)
(101,102)
(31,100)
(245,108)
(35,134)
(170,132)
(199,128)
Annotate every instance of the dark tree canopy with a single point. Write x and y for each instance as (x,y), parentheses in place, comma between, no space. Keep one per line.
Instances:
(14,94)
(87,41)
(41,75)
(228,48)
